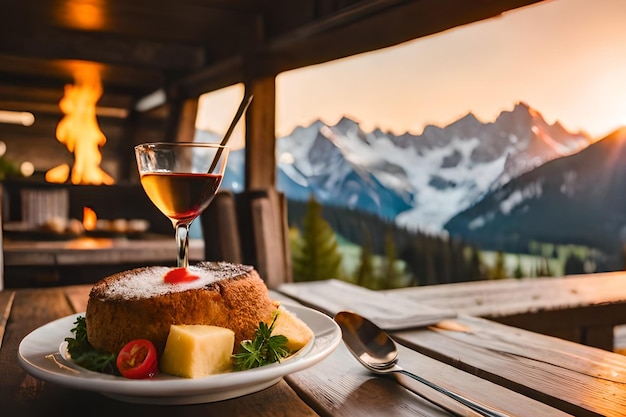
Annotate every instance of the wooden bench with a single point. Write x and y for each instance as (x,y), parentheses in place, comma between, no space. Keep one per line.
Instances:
(580,308)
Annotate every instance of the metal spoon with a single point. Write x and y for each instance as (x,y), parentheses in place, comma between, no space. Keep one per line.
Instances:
(375,350)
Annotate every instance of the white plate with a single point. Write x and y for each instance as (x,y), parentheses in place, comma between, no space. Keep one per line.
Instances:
(39,355)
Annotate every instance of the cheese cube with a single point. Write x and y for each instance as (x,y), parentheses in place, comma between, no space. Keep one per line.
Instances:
(195,351)
(295,330)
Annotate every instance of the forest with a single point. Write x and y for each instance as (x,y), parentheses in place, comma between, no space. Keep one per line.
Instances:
(408,258)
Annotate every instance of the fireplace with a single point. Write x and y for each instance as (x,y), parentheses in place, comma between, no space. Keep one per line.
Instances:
(110,202)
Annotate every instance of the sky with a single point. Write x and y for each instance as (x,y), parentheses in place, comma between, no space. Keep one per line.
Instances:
(564,58)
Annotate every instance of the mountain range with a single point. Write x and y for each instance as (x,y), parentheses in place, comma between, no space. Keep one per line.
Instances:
(496,184)
(579,199)
(421,181)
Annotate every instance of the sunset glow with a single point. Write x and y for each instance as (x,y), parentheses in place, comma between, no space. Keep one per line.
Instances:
(564,58)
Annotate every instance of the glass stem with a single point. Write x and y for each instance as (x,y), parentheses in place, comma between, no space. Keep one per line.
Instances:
(182,243)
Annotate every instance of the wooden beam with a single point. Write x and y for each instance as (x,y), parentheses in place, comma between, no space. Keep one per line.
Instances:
(261,134)
(37,94)
(104,48)
(223,74)
(363,27)
(53,108)
(124,149)
(329,16)
(358,30)
(41,73)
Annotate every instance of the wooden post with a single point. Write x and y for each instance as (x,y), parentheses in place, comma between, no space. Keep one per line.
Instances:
(268,214)
(186,128)
(260,135)
(2,221)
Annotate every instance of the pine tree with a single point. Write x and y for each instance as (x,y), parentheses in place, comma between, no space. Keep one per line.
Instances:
(316,254)
(547,269)
(519,272)
(498,271)
(475,267)
(573,265)
(429,256)
(365,275)
(443,262)
(410,254)
(391,276)
(458,264)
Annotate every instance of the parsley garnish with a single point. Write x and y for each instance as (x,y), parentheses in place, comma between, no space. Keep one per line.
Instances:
(263,350)
(83,354)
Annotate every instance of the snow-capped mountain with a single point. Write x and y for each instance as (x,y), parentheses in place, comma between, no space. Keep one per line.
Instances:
(338,166)
(579,199)
(437,174)
(421,181)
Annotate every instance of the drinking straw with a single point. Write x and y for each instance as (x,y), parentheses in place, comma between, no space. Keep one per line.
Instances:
(247,99)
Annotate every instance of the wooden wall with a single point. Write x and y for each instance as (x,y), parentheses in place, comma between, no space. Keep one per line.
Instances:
(38,143)
(118,201)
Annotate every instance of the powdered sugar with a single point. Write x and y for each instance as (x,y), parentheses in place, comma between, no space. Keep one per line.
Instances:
(148,282)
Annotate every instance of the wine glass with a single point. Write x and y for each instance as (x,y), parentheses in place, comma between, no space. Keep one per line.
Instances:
(181,179)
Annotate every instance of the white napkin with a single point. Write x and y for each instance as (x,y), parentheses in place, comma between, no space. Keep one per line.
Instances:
(388,311)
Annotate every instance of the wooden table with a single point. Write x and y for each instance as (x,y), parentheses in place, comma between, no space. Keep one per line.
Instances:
(518,372)
(86,259)
(580,308)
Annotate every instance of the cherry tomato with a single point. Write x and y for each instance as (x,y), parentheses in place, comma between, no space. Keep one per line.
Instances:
(178,275)
(138,360)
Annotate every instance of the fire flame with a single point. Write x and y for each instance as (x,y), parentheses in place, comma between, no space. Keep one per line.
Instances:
(89,219)
(80,132)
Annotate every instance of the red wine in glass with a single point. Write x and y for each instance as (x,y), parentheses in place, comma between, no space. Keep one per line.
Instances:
(181,179)
(181,197)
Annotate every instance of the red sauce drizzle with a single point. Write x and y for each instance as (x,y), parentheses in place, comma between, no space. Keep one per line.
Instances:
(178,275)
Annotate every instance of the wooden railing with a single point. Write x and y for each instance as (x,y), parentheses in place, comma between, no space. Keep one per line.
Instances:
(580,308)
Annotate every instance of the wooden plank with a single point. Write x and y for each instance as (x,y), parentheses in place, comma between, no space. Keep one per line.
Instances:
(261,135)
(34,94)
(281,204)
(31,309)
(29,258)
(3,219)
(360,27)
(21,70)
(77,296)
(600,336)
(187,121)
(220,229)
(6,301)
(221,74)
(278,399)
(580,308)
(516,296)
(24,396)
(339,386)
(267,240)
(591,325)
(340,31)
(547,369)
(88,46)
(94,251)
